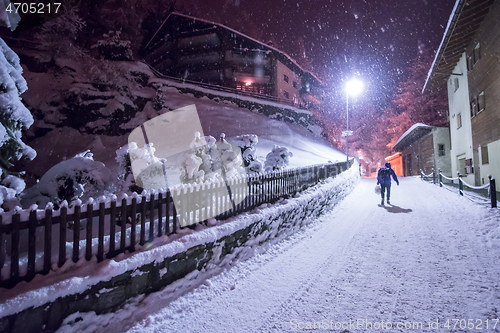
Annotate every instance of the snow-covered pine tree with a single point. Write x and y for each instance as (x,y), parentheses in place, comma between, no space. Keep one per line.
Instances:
(112,47)
(14,116)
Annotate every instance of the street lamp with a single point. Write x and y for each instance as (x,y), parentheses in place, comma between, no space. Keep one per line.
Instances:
(353,87)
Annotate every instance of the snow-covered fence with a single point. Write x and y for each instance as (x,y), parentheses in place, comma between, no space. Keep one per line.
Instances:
(37,241)
(439,178)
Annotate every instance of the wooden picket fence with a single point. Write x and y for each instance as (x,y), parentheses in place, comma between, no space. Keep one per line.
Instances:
(38,241)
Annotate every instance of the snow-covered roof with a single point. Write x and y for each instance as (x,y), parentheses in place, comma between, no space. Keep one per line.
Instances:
(458,34)
(411,135)
(240,34)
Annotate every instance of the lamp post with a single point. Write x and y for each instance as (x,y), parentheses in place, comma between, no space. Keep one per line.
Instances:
(353,87)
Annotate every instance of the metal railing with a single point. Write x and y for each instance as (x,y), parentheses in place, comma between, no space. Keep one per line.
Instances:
(35,241)
(439,177)
(234,91)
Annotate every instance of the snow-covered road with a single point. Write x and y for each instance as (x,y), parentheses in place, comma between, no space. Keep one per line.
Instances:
(428,260)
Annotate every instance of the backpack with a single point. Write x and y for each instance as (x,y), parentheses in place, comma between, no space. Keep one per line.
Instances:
(384,173)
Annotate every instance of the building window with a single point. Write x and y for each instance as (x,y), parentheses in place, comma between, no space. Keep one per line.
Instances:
(285,77)
(474,57)
(295,85)
(459,120)
(477,53)
(287,96)
(461,166)
(470,63)
(456,83)
(480,102)
(485,159)
(468,166)
(441,151)
(473,108)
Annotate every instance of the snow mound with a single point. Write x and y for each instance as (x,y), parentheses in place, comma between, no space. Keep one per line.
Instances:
(77,178)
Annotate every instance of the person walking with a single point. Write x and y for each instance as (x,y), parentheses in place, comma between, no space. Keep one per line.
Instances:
(384,179)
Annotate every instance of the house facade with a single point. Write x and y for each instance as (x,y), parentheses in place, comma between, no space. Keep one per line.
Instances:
(396,161)
(198,50)
(461,153)
(425,148)
(468,62)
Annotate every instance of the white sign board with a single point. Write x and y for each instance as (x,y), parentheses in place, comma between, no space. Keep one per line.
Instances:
(346,133)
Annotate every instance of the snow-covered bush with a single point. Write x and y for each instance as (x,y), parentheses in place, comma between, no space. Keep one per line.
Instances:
(210,159)
(147,168)
(228,158)
(247,143)
(10,188)
(14,116)
(112,47)
(277,159)
(79,177)
(125,175)
(198,163)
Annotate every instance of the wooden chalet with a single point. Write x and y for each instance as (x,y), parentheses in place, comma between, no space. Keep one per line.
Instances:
(423,147)
(198,50)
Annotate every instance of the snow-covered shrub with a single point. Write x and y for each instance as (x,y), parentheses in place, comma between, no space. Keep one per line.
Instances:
(147,168)
(14,116)
(125,175)
(210,159)
(228,158)
(247,143)
(197,164)
(277,159)
(79,177)
(112,47)
(10,188)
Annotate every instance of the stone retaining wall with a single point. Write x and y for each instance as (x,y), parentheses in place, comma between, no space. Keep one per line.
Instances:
(110,295)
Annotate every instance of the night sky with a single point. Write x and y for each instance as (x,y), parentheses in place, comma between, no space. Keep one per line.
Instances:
(373,39)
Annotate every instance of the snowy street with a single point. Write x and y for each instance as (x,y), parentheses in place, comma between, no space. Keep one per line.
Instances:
(428,263)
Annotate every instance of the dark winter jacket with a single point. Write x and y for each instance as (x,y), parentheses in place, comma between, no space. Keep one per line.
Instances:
(387,179)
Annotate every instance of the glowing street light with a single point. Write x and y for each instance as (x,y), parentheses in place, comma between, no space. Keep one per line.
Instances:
(353,88)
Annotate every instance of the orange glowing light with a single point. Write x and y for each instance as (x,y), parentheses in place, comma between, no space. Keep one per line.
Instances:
(248,83)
